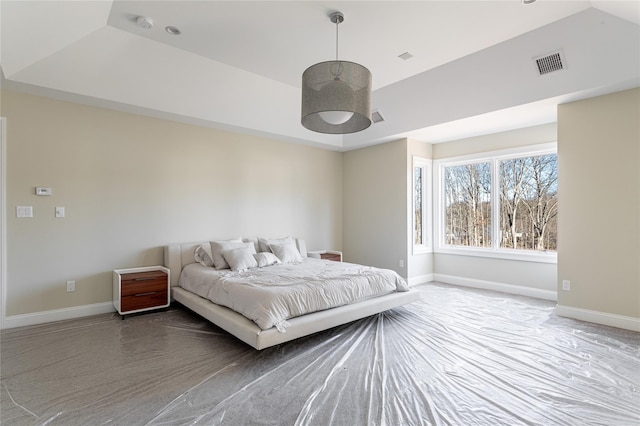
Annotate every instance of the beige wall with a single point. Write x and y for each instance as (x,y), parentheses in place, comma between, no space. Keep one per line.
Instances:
(377,216)
(514,276)
(599,216)
(511,139)
(132,184)
(375,205)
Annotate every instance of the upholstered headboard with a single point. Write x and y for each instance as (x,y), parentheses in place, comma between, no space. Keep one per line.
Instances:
(177,256)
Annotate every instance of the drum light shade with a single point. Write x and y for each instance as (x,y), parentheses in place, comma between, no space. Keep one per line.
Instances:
(336,95)
(334,87)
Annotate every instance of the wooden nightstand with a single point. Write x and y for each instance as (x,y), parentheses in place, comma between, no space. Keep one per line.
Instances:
(326,254)
(140,289)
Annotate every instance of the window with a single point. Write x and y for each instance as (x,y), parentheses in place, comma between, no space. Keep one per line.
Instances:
(421,205)
(529,203)
(504,204)
(468,204)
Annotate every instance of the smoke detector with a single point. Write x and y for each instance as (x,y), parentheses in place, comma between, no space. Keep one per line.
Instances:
(144,22)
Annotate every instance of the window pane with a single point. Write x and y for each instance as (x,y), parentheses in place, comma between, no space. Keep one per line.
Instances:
(468,205)
(418,179)
(529,203)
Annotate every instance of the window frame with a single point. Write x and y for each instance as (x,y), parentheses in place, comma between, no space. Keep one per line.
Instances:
(439,215)
(426,164)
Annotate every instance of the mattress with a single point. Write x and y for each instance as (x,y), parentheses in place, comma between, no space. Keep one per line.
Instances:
(269,296)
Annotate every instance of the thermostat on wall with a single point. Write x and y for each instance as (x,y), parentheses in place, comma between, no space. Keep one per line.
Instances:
(41,190)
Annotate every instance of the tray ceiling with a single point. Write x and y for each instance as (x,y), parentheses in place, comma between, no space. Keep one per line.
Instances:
(237,65)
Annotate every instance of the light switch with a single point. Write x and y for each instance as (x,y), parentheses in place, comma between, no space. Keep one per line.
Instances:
(59,211)
(24,211)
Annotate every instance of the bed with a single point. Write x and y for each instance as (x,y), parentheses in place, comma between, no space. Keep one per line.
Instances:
(187,272)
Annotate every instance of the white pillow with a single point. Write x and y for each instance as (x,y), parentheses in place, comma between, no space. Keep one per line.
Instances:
(254,241)
(264,243)
(203,255)
(240,259)
(266,259)
(217,247)
(287,253)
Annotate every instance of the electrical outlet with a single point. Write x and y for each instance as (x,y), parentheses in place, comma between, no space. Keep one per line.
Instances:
(566,285)
(401,263)
(71,286)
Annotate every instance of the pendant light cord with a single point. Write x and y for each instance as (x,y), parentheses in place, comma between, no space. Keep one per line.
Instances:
(337,18)
(337,23)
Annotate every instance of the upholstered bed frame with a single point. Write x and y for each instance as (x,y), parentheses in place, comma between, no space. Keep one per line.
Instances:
(177,256)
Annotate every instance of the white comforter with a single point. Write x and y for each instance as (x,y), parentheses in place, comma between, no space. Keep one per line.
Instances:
(270,295)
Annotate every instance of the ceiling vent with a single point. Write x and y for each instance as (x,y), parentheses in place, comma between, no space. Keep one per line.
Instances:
(376,117)
(550,63)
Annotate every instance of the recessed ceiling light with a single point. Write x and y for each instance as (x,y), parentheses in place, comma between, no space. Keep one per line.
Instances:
(172,30)
(528,1)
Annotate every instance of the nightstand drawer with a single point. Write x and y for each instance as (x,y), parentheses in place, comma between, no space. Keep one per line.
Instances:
(143,282)
(149,299)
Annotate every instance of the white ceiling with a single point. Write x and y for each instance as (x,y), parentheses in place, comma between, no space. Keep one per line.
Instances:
(237,64)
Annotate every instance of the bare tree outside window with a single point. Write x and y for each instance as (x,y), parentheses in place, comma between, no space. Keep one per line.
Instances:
(529,203)
(421,205)
(418,201)
(468,205)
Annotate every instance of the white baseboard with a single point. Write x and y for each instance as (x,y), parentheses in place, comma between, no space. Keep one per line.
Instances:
(420,279)
(57,315)
(491,285)
(603,318)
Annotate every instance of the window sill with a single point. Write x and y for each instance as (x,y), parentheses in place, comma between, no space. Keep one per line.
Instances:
(523,256)
(417,250)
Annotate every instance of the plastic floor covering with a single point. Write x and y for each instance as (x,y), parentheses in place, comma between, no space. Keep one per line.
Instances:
(458,357)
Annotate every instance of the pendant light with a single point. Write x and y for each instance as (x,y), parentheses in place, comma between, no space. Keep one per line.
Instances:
(336,95)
